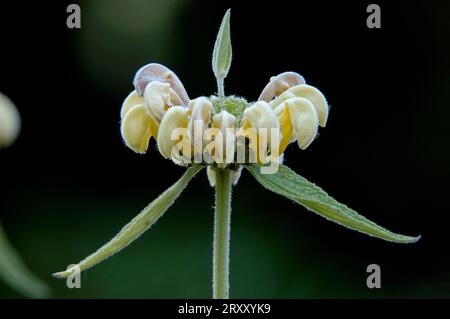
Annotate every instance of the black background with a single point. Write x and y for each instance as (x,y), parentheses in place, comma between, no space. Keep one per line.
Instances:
(384,151)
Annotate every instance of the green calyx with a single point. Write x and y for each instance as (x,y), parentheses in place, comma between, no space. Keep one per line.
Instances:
(232,104)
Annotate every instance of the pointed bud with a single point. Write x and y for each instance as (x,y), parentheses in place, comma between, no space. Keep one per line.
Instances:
(221,59)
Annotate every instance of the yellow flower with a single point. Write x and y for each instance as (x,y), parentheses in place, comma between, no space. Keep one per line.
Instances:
(221,131)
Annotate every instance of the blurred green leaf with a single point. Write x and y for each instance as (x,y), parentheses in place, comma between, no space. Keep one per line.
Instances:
(137,226)
(15,273)
(287,183)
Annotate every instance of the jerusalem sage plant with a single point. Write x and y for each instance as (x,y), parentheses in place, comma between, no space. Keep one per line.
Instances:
(237,135)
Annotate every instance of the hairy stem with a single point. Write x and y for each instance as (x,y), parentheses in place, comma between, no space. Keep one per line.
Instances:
(222,234)
(220,87)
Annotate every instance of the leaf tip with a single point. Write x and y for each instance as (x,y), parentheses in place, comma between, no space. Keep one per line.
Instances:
(60,275)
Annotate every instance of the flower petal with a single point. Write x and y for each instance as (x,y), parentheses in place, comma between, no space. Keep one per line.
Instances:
(225,121)
(280,83)
(131,100)
(308,92)
(303,118)
(201,109)
(175,118)
(285,127)
(261,116)
(137,128)
(157,72)
(157,99)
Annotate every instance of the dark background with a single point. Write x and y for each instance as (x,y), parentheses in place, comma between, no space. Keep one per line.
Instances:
(69,184)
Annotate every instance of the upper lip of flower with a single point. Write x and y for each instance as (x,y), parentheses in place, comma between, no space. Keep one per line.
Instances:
(161,104)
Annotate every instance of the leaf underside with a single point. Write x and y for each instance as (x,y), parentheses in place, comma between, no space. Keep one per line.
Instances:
(295,187)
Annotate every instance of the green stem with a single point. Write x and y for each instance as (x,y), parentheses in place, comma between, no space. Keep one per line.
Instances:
(220,87)
(222,234)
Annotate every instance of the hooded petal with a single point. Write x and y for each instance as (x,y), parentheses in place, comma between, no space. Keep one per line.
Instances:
(132,99)
(298,118)
(157,99)
(225,121)
(201,109)
(157,72)
(137,128)
(260,116)
(175,118)
(310,93)
(280,83)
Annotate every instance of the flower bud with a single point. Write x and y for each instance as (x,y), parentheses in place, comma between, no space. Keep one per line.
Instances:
(9,122)
(310,93)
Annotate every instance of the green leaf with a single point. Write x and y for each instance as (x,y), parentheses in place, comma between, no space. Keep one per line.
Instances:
(221,59)
(137,226)
(287,183)
(15,273)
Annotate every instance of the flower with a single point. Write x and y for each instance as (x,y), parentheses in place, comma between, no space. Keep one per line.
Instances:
(9,122)
(287,111)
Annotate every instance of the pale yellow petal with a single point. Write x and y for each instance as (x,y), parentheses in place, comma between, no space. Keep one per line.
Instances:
(156,72)
(310,93)
(304,119)
(261,115)
(175,118)
(280,83)
(157,99)
(201,109)
(226,122)
(132,99)
(137,128)
(263,119)
(286,128)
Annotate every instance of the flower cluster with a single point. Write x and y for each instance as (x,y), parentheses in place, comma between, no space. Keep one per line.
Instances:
(222,131)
